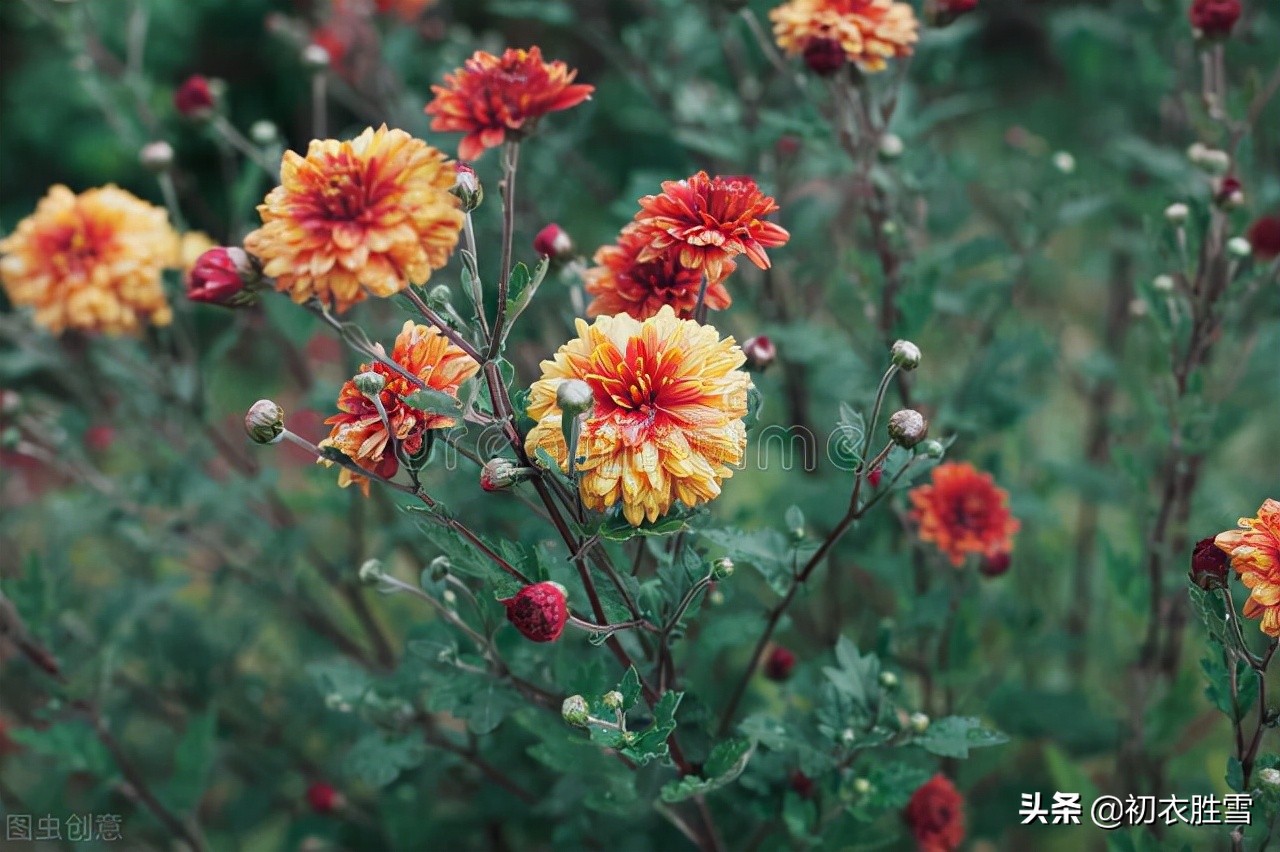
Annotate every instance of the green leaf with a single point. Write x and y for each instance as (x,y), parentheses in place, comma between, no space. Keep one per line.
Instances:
(856,676)
(652,742)
(725,763)
(433,401)
(618,528)
(377,760)
(629,686)
(955,735)
(1235,774)
(192,760)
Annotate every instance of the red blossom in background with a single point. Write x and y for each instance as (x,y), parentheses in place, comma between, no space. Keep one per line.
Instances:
(1214,18)
(194,98)
(935,815)
(779,663)
(1264,237)
(963,511)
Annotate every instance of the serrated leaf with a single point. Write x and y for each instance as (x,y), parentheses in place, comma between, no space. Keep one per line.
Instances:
(433,401)
(377,760)
(192,761)
(955,735)
(725,763)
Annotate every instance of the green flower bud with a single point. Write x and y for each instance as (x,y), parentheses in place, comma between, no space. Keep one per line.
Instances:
(905,354)
(933,449)
(264,422)
(156,157)
(370,383)
(574,397)
(722,568)
(888,680)
(1239,248)
(861,786)
(907,427)
(612,700)
(919,722)
(1176,213)
(574,710)
(439,568)
(370,572)
(467,186)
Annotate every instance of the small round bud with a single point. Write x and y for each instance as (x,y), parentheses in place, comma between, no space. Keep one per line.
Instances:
(1228,192)
(574,397)
(891,146)
(1211,160)
(316,57)
(324,799)
(1264,237)
(499,474)
(1213,19)
(779,663)
(369,383)
(539,611)
(224,275)
(466,186)
(1239,248)
(438,569)
(450,598)
(1176,213)
(264,422)
(716,598)
(574,710)
(907,427)
(194,99)
(919,722)
(264,132)
(995,565)
(861,786)
(370,572)
(553,242)
(1064,162)
(1209,565)
(1162,283)
(760,352)
(933,449)
(612,700)
(888,680)
(905,354)
(156,156)
(848,737)
(824,56)
(722,568)
(1269,776)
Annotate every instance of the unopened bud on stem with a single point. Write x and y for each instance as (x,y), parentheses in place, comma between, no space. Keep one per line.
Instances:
(612,700)
(370,572)
(907,427)
(156,156)
(574,397)
(905,354)
(466,186)
(264,422)
(574,710)
(722,568)
(1177,213)
(370,383)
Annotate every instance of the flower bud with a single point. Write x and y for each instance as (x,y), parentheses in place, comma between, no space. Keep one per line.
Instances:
(369,383)
(1210,160)
(553,242)
(539,611)
(1064,162)
(439,297)
(722,568)
(438,569)
(715,597)
(888,680)
(996,564)
(194,98)
(499,474)
(1163,283)
(1213,19)
(933,449)
(891,146)
(905,354)
(370,572)
(1239,248)
(264,422)
(1209,565)
(760,352)
(1264,236)
(1270,776)
(1176,213)
(574,397)
(1228,192)
(861,786)
(264,132)
(316,57)
(466,186)
(802,784)
(919,722)
(156,156)
(779,663)
(824,56)
(226,276)
(323,798)
(907,427)
(612,700)
(874,477)
(574,710)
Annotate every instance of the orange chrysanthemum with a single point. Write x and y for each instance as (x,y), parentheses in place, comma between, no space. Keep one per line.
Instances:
(491,96)
(359,431)
(1255,555)
(870,31)
(91,262)
(366,216)
(622,284)
(667,419)
(709,221)
(963,511)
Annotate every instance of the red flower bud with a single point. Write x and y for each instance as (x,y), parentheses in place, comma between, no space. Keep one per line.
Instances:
(323,798)
(1264,236)
(1214,18)
(1229,191)
(874,477)
(935,815)
(553,242)
(333,44)
(760,352)
(223,276)
(194,98)
(824,56)
(99,438)
(802,784)
(787,146)
(779,663)
(995,564)
(1209,565)
(539,611)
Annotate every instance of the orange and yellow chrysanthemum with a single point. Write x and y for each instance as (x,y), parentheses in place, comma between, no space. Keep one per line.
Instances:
(709,221)
(963,511)
(1255,555)
(869,31)
(366,216)
(667,420)
(492,96)
(622,284)
(90,262)
(359,430)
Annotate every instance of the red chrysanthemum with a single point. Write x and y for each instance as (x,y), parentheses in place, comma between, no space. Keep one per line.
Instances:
(492,96)
(963,511)
(622,284)
(867,31)
(935,814)
(709,221)
(539,611)
(1214,17)
(1264,237)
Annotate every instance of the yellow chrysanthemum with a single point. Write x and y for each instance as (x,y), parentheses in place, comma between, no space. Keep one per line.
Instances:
(366,216)
(869,31)
(91,262)
(1255,555)
(668,406)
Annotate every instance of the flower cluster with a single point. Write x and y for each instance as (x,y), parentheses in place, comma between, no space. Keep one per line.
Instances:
(962,512)
(1254,550)
(866,32)
(370,215)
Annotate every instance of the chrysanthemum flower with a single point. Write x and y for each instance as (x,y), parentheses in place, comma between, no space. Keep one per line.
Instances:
(870,31)
(963,511)
(710,221)
(90,262)
(667,419)
(1255,555)
(359,431)
(491,96)
(622,284)
(935,815)
(366,216)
